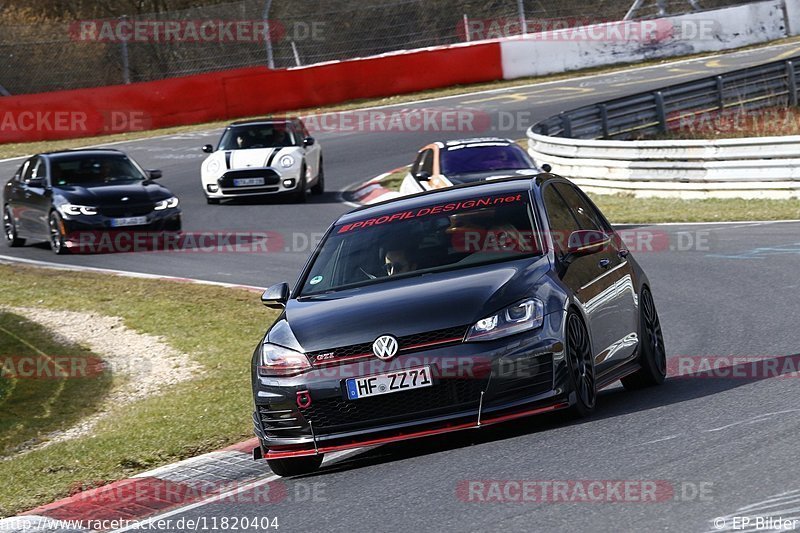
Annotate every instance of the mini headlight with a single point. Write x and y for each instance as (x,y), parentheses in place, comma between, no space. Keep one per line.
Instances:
(213,166)
(521,316)
(75,210)
(287,161)
(169,203)
(279,361)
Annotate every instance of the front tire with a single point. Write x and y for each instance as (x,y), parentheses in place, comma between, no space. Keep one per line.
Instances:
(57,244)
(300,196)
(652,353)
(580,362)
(12,238)
(319,188)
(295,466)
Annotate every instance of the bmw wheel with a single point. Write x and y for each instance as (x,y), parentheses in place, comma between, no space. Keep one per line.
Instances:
(57,244)
(581,366)
(10,228)
(652,353)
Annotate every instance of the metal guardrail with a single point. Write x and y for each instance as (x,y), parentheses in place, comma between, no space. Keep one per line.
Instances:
(597,144)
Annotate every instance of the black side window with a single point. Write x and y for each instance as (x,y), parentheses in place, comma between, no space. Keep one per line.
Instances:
(561,220)
(426,165)
(584,213)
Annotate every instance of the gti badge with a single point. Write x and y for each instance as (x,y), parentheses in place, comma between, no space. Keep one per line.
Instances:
(385,347)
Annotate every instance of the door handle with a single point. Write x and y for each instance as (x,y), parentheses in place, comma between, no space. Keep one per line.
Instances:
(604,263)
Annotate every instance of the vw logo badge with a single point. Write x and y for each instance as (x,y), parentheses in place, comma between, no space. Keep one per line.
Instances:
(385,347)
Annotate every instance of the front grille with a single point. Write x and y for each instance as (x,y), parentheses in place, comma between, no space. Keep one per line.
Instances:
(409,343)
(120,211)
(447,396)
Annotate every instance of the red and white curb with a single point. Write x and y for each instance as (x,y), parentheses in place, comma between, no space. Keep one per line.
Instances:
(150,493)
(373,192)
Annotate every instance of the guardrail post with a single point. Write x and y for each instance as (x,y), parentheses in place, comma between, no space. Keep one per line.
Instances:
(792,81)
(604,119)
(720,92)
(566,125)
(660,111)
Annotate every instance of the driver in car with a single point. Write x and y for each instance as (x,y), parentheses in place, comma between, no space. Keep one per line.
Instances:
(399,260)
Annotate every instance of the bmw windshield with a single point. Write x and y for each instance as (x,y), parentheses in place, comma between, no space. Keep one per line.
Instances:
(95,170)
(419,240)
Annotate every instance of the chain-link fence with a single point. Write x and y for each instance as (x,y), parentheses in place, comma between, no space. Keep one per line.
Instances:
(92,53)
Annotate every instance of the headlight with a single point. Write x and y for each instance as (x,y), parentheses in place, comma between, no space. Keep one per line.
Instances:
(279,361)
(522,316)
(169,203)
(287,161)
(75,210)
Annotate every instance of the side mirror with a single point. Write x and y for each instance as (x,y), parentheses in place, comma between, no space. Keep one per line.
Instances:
(154,174)
(309,141)
(37,182)
(585,242)
(207,148)
(546,168)
(422,175)
(276,296)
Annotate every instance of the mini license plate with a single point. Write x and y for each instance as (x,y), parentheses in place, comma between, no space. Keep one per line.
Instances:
(247,182)
(130,221)
(407,379)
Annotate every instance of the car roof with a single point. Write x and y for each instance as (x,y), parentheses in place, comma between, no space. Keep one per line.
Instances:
(88,152)
(265,120)
(512,185)
(476,140)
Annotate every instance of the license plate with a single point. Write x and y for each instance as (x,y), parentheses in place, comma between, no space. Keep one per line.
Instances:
(411,378)
(130,221)
(247,182)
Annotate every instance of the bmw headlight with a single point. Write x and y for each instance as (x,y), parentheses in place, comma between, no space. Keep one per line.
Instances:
(213,166)
(279,361)
(287,161)
(521,316)
(169,203)
(75,210)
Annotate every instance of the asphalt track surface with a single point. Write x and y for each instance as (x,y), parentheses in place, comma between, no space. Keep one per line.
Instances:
(718,443)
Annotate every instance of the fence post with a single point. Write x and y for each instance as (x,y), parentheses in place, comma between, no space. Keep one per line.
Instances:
(661,113)
(790,77)
(523,24)
(123,50)
(268,41)
(566,125)
(604,119)
(720,92)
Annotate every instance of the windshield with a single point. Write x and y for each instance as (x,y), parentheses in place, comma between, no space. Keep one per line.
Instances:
(465,159)
(95,170)
(435,238)
(258,136)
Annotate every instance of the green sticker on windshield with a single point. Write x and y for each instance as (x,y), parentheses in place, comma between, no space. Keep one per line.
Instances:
(315,280)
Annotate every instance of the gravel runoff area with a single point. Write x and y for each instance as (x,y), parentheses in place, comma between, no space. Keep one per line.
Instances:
(142,364)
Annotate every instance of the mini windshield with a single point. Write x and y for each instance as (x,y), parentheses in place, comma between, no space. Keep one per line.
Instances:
(466,159)
(94,170)
(435,238)
(258,136)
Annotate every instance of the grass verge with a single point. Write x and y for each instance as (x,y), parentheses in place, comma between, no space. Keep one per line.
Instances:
(203,414)
(627,209)
(45,384)
(736,123)
(20,149)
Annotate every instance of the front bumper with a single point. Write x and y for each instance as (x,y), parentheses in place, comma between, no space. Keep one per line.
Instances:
(276,181)
(475,384)
(85,231)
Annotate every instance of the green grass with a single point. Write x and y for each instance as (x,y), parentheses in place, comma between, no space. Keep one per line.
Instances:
(32,406)
(627,209)
(208,412)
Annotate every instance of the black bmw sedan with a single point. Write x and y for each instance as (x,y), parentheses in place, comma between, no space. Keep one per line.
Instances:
(449,310)
(65,197)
